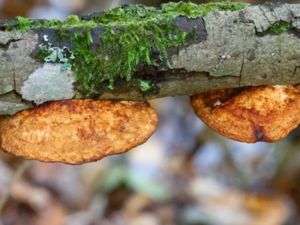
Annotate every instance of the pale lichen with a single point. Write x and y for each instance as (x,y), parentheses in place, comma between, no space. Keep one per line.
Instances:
(47,84)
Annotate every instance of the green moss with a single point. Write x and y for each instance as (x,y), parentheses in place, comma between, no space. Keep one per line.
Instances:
(131,35)
(133,14)
(192,10)
(280,27)
(73,19)
(23,23)
(145,85)
(123,49)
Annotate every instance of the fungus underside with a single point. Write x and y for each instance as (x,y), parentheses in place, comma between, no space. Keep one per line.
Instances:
(130,36)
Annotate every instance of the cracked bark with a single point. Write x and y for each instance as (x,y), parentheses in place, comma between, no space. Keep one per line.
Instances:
(231,49)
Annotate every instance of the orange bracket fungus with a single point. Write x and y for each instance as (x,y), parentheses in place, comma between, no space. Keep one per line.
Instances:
(252,114)
(77,131)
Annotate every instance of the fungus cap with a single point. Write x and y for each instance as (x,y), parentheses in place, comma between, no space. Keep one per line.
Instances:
(77,131)
(252,114)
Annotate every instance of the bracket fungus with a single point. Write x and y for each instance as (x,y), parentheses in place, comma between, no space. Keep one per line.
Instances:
(77,131)
(251,114)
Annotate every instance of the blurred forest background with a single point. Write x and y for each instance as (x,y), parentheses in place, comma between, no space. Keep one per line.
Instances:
(184,175)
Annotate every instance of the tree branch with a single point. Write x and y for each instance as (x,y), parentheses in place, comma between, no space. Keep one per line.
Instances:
(258,45)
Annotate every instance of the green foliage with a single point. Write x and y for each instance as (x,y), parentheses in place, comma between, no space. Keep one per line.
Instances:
(280,27)
(131,35)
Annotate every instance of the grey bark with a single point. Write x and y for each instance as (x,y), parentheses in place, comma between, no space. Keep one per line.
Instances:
(233,49)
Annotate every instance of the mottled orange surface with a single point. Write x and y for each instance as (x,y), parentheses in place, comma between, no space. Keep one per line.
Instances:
(77,131)
(265,113)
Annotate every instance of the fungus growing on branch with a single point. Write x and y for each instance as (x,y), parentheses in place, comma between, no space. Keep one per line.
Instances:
(77,131)
(252,114)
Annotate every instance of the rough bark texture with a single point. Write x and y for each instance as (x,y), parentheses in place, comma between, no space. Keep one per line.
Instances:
(232,49)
